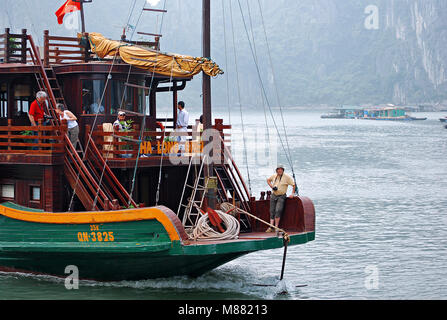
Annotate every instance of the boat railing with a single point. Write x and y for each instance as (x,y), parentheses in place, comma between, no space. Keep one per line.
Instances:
(119,145)
(40,139)
(13,47)
(62,50)
(56,50)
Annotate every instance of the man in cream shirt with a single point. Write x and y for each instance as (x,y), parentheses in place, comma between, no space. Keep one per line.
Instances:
(279,183)
(182,124)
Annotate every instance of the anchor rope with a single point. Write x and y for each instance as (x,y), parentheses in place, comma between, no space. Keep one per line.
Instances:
(233,210)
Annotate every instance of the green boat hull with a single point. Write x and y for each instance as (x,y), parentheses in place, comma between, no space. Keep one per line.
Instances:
(114,251)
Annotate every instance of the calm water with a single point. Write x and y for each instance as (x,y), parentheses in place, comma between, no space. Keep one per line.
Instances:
(380,193)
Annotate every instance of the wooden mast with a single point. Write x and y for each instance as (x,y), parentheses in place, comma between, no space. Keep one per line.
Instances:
(206,84)
(82,12)
(206,92)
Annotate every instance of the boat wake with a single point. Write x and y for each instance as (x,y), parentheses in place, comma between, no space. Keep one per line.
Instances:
(229,280)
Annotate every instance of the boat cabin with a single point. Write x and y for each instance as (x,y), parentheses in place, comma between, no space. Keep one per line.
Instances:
(94,89)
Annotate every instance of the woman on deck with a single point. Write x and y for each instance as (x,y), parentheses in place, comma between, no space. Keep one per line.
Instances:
(73,127)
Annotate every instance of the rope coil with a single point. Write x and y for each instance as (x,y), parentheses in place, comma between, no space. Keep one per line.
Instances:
(203,231)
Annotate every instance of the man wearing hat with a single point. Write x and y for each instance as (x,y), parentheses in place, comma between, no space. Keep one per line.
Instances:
(120,124)
(279,183)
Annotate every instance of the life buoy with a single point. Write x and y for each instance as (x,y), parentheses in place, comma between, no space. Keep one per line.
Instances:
(215,219)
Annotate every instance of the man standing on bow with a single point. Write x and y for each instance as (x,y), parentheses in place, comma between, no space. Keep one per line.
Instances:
(279,183)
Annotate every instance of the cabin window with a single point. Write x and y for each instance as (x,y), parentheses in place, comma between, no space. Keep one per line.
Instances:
(22,94)
(7,191)
(92,96)
(141,96)
(35,193)
(3,100)
(117,102)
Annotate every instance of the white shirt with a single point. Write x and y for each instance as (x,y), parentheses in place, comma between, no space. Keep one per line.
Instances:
(122,125)
(183,118)
(70,123)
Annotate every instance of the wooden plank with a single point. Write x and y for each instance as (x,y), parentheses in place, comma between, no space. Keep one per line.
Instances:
(56,38)
(31,128)
(135,86)
(66,51)
(131,112)
(66,45)
(150,34)
(30,144)
(15,136)
(63,57)
(17,35)
(31,151)
(155,10)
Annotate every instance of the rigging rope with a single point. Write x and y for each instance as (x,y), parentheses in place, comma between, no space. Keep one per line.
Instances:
(124,93)
(239,97)
(286,151)
(278,99)
(70,207)
(256,58)
(226,62)
(143,126)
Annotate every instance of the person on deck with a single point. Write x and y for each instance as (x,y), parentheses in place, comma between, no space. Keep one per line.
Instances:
(73,127)
(37,109)
(182,125)
(279,183)
(36,113)
(121,125)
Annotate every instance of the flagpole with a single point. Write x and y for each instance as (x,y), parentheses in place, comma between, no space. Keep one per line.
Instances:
(82,16)
(81,7)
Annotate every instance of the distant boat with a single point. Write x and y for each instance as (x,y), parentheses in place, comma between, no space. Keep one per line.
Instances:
(332,115)
(443,119)
(390,113)
(344,112)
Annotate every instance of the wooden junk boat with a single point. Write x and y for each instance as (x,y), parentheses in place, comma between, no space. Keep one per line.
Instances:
(86,205)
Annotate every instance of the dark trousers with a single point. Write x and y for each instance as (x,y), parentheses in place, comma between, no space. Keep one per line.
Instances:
(277,204)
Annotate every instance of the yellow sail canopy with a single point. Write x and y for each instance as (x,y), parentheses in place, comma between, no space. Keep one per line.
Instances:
(154,61)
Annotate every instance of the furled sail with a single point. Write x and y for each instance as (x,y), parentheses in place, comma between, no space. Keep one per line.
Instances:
(154,61)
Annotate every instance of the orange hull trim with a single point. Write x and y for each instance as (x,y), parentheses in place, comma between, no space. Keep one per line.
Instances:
(96,217)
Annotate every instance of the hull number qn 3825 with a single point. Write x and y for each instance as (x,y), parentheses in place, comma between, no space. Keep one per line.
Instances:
(96,235)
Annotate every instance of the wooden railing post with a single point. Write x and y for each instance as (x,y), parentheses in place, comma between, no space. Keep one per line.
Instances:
(39,134)
(9,133)
(88,128)
(7,45)
(23,45)
(46,46)
(64,129)
(57,56)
